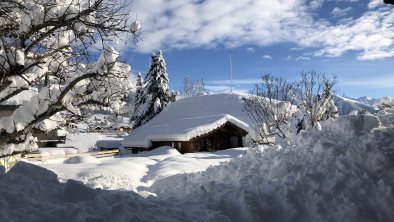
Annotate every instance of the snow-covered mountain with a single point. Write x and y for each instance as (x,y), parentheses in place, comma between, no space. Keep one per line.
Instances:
(346,105)
(367,100)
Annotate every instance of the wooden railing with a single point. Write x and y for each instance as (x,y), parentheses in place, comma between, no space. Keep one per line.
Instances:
(97,154)
(8,161)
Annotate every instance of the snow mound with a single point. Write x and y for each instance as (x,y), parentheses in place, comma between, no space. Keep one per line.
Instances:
(31,193)
(343,172)
(39,173)
(164,150)
(234,152)
(81,160)
(82,141)
(57,151)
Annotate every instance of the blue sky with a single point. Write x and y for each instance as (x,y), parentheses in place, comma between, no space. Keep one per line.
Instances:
(353,39)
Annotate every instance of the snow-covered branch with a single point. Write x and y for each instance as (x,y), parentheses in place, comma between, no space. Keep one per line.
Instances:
(46,45)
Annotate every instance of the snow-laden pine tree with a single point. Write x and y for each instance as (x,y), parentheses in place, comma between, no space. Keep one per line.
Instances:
(192,88)
(46,45)
(188,87)
(138,89)
(155,93)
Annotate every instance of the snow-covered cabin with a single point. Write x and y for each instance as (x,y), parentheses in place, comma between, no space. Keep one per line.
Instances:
(200,123)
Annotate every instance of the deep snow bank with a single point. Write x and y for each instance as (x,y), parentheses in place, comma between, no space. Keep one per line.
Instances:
(343,172)
(31,193)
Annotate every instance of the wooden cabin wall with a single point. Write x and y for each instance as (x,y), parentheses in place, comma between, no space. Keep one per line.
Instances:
(218,139)
(181,146)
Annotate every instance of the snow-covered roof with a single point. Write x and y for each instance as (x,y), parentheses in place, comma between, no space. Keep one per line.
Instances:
(191,117)
(180,130)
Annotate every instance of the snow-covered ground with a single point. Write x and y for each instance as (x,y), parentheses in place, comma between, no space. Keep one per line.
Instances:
(342,171)
(88,141)
(136,171)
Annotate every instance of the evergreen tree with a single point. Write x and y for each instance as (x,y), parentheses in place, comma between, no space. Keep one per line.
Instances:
(188,87)
(139,90)
(155,92)
(192,88)
(201,87)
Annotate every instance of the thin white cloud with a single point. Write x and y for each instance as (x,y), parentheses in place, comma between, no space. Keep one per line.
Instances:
(267,57)
(374,3)
(234,81)
(233,23)
(339,12)
(226,88)
(315,4)
(250,49)
(304,58)
(372,82)
(296,49)
(372,34)
(347,0)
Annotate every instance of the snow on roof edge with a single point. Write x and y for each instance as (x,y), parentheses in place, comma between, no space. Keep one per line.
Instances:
(191,133)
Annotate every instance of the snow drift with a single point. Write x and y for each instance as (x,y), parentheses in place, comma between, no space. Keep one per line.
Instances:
(341,171)
(32,193)
(344,172)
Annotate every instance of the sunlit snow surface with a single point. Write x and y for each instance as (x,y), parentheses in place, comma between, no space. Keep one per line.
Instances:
(342,171)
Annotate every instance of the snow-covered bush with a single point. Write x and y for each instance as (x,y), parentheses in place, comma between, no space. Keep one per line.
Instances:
(384,103)
(269,105)
(48,45)
(316,97)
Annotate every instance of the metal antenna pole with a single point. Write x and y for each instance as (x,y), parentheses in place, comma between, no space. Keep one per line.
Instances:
(231,73)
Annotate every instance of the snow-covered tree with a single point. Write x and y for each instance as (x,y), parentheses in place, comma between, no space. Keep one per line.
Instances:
(192,88)
(201,90)
(156,94)
(316,97)
(138,89)
(188,87)
(47,45)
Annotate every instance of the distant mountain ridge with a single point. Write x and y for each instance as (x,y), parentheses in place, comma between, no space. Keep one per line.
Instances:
(347,105)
